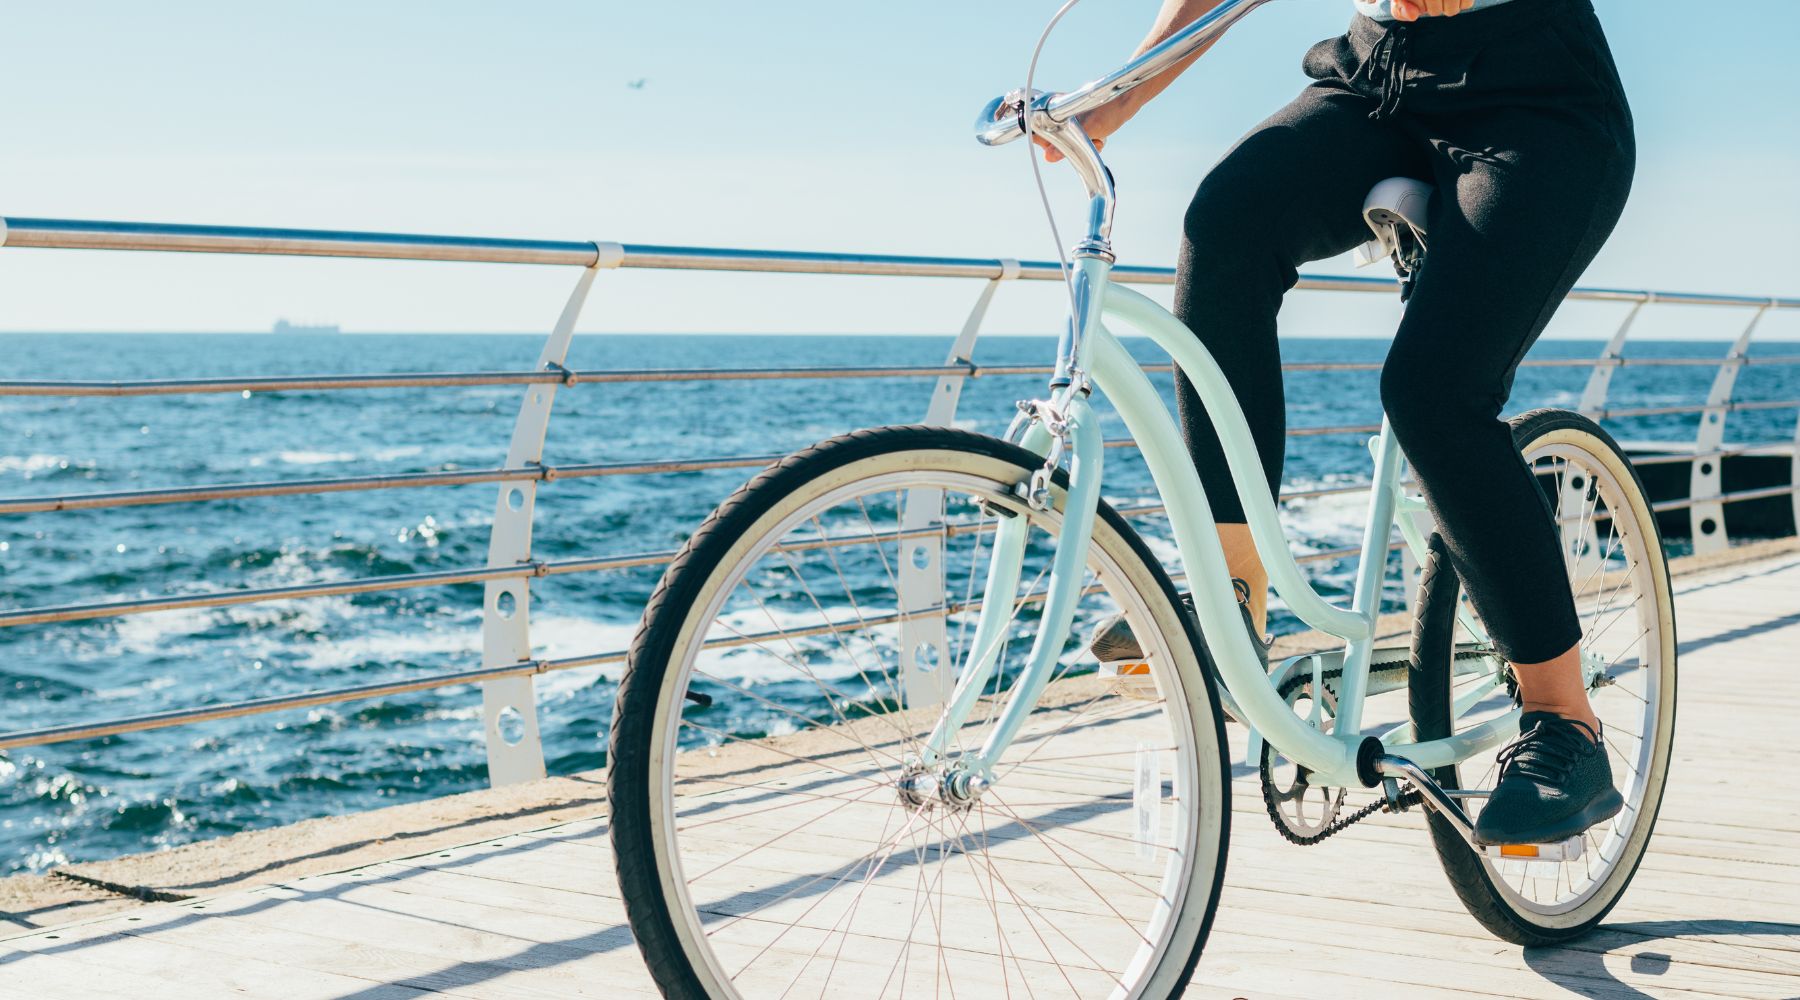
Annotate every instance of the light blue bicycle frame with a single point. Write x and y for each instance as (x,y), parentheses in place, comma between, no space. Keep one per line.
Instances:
(1066,424)
(1091,349)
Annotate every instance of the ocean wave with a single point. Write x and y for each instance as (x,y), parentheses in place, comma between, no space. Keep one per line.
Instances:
(315,457)
(49,467)
(29,464)
(392,649)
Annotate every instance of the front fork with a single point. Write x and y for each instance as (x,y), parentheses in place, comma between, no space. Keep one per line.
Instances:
(1066,424)
(1001,602)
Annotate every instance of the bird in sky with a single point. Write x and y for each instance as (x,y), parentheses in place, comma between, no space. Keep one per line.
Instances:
(637,84)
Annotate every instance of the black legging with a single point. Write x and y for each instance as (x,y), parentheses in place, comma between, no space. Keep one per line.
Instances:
(1516,113)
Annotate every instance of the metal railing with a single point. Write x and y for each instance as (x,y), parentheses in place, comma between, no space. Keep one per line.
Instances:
(508,666)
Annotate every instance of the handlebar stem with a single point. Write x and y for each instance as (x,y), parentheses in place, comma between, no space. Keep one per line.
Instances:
(1071,140)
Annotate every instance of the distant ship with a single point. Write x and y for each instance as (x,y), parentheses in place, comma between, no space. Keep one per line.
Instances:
(283,328)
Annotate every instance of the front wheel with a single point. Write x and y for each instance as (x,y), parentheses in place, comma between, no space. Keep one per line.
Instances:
(1620,579)
(767,826)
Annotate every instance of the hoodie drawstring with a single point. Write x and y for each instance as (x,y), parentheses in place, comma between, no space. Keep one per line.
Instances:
(1390,59)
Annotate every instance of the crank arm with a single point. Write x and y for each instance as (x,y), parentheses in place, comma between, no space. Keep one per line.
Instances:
(1436,797)
(1443,801)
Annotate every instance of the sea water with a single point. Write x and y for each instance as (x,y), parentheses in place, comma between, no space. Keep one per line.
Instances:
(143,791)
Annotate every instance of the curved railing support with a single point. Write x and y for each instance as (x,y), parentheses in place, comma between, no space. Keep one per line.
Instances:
(1706,481)
(1593,397)
(925,674)
(509,704)
(1794,477)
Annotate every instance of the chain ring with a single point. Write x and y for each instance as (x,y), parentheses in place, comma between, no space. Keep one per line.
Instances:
(1287,807)
(1312,834)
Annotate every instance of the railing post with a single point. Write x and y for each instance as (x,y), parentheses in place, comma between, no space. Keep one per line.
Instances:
(926,674)
(1410,569)
(509,705)
(1593,397)
(1794,477)
(1706,478)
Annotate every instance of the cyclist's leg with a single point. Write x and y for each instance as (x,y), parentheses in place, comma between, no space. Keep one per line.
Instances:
(1527,196)
(1291,191)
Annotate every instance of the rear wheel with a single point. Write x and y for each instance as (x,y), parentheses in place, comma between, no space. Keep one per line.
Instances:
(1614,557)
(768,836)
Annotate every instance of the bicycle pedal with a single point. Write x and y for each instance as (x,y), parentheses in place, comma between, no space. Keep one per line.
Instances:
(1562,850)
(1133,676)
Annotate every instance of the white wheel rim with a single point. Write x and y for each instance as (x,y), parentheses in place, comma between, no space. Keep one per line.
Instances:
(1565,892)
(1178,872)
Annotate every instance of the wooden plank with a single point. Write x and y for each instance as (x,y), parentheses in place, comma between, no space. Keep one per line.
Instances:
(121,958)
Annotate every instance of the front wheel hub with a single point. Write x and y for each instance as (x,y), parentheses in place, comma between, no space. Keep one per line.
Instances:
(955,788)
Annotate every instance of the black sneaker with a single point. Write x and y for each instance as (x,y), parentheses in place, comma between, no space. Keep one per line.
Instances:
(1113,641)
(1555,782)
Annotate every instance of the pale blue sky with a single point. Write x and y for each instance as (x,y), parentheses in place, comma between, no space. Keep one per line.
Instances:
(794,124)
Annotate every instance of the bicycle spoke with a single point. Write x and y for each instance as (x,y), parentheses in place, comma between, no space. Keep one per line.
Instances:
(806,672)
(763,745)
(843,729)
(850,595)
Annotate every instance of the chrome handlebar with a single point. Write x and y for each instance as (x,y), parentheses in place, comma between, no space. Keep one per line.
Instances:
(1003,119)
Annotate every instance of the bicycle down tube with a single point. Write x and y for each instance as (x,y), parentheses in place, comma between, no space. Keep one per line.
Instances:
(1130,391)
(1118,375)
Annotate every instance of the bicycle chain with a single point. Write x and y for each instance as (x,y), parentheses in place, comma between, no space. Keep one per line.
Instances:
(1405,801)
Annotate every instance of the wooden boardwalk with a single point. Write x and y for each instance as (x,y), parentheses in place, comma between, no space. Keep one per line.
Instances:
(1714,911)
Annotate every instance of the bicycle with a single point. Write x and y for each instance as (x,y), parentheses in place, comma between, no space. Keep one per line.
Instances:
(930,805)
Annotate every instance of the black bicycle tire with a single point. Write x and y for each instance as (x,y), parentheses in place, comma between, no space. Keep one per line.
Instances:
(629,795)
(1430,694)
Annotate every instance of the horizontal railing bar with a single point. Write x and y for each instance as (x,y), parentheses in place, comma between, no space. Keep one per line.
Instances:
(1652,411)
(1682,298)
(300,487)
(81,234)
(414,380)
(1323,431)
(404,581)
(256,706)
(276,383)
(1332,491)
(1760,404)
(270,383)
(1780,359)
(1737,496)
(236,491)
(229,598)
(1329,554)
(1678,458)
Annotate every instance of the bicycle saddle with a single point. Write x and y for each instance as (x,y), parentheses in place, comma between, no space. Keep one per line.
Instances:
(1397,211)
